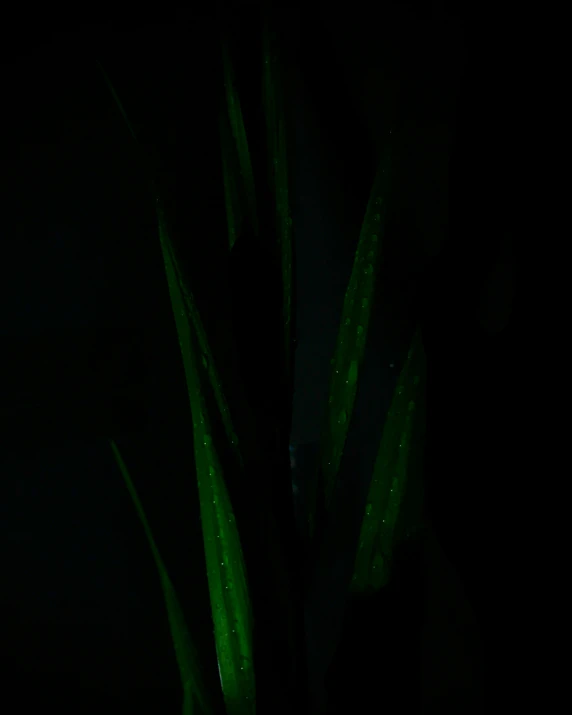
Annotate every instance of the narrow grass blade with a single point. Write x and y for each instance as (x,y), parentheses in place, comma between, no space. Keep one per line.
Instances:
(391,475)
(278,172)
(186,308)
(117,101)
(185,651)
(234,215)
(239,134)
(350,346)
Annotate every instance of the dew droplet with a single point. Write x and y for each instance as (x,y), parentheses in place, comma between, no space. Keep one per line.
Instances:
(342,417)
(368,269)
(364,303)
(368,508)
(359,329)
(347,321)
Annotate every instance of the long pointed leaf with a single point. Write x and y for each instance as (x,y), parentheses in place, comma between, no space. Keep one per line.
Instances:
(234,215)
(350,346)
(239,135)
(278,170)
(185,651)
(390,477)
(226,570)
(187,298)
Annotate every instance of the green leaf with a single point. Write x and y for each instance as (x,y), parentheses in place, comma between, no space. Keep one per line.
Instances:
(350,346)
(189,664)
(391,475)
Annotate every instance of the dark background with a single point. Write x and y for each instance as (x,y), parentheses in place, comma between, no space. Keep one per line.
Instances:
(90,350)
